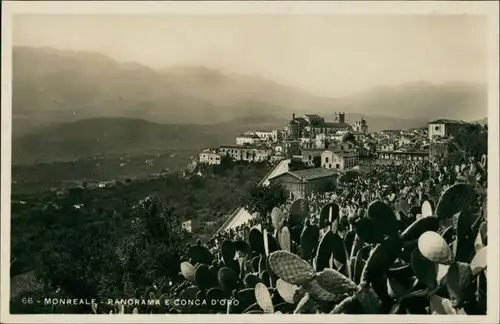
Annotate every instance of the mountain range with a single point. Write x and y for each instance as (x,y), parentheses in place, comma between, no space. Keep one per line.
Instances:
(55,91)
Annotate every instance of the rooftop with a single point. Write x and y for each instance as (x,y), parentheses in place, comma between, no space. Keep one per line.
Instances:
(419,152)
(340,153)
(300,120)
(336,125)
(312,116)
(211,152)
(310,174)
(249,136)
(448,121)
(245,147)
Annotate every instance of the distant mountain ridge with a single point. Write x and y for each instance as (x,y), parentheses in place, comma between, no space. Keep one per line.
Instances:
(48,81)
(53,86)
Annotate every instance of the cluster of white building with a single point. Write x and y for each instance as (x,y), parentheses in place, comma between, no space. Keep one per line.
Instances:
(316,142)
(305,138)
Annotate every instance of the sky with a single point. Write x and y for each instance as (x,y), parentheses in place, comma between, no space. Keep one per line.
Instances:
(324,54)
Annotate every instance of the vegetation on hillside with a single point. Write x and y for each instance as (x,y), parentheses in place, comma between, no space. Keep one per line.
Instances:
(263,199)
(83,239)
(90,171)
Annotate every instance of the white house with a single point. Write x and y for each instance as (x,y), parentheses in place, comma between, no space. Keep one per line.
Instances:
(249,153)
(247,139)
(210,157)
(309,155)
(339,160)
(265,136)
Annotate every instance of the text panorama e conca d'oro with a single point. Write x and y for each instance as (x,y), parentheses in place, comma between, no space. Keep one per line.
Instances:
(141,302)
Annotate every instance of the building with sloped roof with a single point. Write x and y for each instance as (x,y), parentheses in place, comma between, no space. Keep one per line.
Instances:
(309,155)
(249,153)
(314,120)
(210,156)
(444,128)
(303,183)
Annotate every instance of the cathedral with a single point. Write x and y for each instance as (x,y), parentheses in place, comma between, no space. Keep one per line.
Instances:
(308,126)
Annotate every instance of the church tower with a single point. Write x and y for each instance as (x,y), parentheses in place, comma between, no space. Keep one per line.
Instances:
(339,117)
(361,126)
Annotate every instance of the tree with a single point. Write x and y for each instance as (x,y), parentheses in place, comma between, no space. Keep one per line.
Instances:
(91,256)
(470,141)
(157,239)
(349,176)
(82,260)
(226,162)
(348,137)
(263,199)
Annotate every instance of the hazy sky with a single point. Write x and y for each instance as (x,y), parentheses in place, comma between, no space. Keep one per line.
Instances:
(330,54)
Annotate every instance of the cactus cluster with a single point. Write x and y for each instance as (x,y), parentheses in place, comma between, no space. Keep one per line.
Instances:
(388,258)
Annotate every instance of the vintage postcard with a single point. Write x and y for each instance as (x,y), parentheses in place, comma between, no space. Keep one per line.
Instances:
(250,161)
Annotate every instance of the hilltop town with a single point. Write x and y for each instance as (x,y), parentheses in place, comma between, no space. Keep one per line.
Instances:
(336,145)
(309,154)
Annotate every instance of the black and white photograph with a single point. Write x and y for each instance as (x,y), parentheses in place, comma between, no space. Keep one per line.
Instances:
(270,162)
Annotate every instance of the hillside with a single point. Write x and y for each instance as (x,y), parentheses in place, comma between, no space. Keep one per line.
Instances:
(42,221)
(51,85)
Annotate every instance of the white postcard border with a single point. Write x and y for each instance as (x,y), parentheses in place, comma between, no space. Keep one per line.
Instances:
(487,8)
